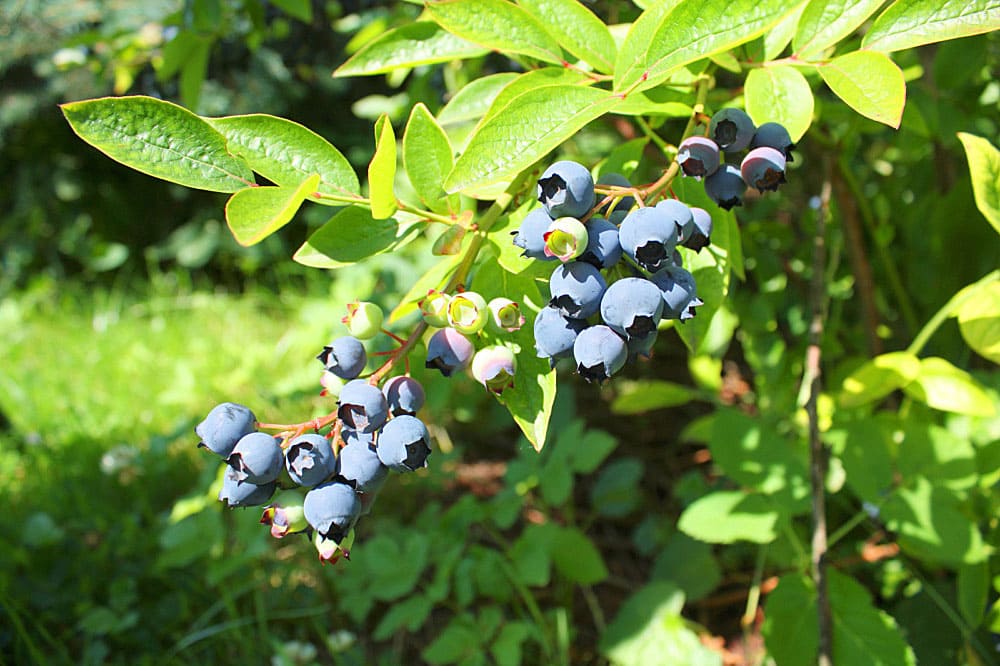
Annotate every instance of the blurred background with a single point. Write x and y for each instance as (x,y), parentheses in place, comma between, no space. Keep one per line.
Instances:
(127,311)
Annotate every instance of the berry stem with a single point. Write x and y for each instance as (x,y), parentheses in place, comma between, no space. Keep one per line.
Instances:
(696,111)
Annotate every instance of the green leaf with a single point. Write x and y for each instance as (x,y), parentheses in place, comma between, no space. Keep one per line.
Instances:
(689,564)
(524,131)
(382,171)
(530,554)
(636,397)
(460,639)
(862,634)
(973,592)
(285,152)
(506,649)
(643,104)
(689,31)
(984,168)
(649,629)
(536,78)
(577,558)
(409,613)
(300,9)
(777,38)
(937,453)
(979,321)
(420,43)
(878,378)
(759,457)
(348,237)
(727,516)
(780,94)
(863,448)
(824,23)
(193,72)
(159,139)
(427,158)
(531,398)
(932,526)
(255,213)
(496,24)
(909,23)
(870,83)
(614,493)
(473,100)
(943,386)
(577,30)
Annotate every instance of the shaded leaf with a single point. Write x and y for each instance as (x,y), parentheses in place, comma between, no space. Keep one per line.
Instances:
(984,168)
(348,237)
(159,139)
(636,397)
(577,558)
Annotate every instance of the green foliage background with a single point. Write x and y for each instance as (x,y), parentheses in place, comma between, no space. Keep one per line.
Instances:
(668,514)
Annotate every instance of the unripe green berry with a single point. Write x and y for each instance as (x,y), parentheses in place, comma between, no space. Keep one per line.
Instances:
(467,312)
(505,315)
(363,320)
(566,239)
(434,308)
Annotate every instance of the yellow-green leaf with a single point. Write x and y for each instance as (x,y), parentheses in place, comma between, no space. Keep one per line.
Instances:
(420,43)
(255,213)
(382,171)
(984,168)
(979,321)
(496,24)
(909,23)
(577,30)
(870,83)
(780,94)
(878,378)
(826,22)
(943,386)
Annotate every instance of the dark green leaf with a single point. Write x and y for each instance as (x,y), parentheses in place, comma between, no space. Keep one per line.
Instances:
(348,237)
(460,639)
(688,564)
(615,493)
(160,139)
(577,558)
(420,43)
(636,397)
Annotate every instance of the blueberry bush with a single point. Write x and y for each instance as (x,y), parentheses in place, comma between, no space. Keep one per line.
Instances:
(688,216)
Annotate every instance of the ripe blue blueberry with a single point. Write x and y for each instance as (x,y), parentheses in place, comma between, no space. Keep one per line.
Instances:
(599,353)
(224,426)
(726,187)
(257,458)
(763,168)
(448,351)
(362,407)
(681,215)
(702,233)
(773,135)
(648,236)
(344,357)
(404,394)
(603,249)
(617,180)
(243,493)
(332,509)
(566,189)
(642,347)
(360,466)
(404,444)
(555,333)
(632,307)
(576,289)
(732,129)
(698,156)
(677,288)
(309,460)
(530,237)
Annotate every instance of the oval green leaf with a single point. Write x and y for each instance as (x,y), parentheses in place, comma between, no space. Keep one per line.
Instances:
(382,171)
(472,100)
(826,22)
(943,386)
(577,30)
(536,78)
(420,43)
(909,23)
(979,322)
(496,24)
(159,139)
(524,131)
(689,31)
(348,237)
(285,152)
(984,168)
(780,94)
(427,158)
(645,396)
(878,378)
(726,516)
(255,213)
(870,83)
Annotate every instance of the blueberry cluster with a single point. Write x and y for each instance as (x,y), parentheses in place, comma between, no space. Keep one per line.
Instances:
(732,131)
(329,480)
(602,325)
